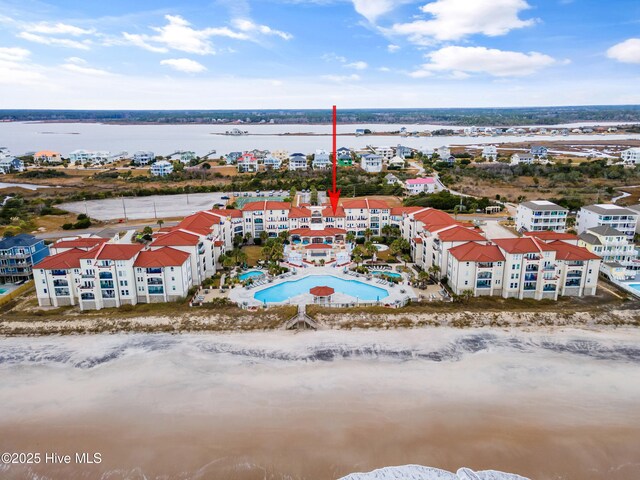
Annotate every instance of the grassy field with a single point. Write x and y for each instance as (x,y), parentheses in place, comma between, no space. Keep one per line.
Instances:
(254,253)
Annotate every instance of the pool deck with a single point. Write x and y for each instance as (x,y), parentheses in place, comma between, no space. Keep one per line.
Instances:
(242,295)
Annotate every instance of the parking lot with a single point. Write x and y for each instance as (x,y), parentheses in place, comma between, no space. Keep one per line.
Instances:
(156,206)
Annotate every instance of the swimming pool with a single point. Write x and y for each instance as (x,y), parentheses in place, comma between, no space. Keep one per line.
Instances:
(386,274)
(353,288)
(3,291)
(635,286)
(251,274)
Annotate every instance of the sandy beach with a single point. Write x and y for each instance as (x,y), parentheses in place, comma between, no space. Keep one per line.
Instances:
(550,404)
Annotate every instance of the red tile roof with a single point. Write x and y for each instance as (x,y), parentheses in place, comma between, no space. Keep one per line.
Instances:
(435,219)
(417,240)
(318,246)
(475,252)
(326,232)
(460,234)
(200,222)
(328,212)
(518,245)
(116,251)
(62,261)
(266,205)
(366,203)
(163,257)
(549,235)
(229,212)
(177,238)
(322,291)
(398,211)
(567,251)
(84,243)
(299,212)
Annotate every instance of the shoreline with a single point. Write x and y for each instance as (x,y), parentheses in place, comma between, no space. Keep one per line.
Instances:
(335,320)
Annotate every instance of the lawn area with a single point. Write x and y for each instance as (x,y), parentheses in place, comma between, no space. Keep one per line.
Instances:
(254,253)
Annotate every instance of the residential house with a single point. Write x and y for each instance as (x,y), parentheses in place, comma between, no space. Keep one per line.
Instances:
(414,186)
(539,151)
(281,155)
(620,259)
(18,254)
(142,158)
(47,156)
(541,215)
(345,158)
(404,152)
(272,162)
(392,179)
(631,156)
(636,210)
(247,163)
(371,163)
(11,164)
(233,157)
(161,168)
(386,153)
(297,161)
(396,163)
(443,152)
(523,158)
(187,156)
(321,160)
(622,219)
(490,153)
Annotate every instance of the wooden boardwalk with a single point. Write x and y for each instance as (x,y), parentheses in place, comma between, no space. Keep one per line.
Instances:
(302,321)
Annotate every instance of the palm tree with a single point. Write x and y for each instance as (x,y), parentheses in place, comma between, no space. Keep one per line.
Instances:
(263,236)
(357,255)
(368,233)
(351,237)
(370,249)
(160,222)
(434,270)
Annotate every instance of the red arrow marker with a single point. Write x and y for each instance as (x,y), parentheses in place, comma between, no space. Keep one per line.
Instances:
(334,195)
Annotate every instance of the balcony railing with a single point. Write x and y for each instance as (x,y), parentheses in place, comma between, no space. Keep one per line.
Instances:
(154,281)
(156,290)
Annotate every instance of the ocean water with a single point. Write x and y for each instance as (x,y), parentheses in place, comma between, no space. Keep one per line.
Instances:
(547,405)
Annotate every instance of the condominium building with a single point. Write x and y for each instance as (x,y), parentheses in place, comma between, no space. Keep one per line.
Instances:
(622,219)
(620,259)
(18,254)
(539,215)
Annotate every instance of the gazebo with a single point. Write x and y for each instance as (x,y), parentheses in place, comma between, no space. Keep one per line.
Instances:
(322,294)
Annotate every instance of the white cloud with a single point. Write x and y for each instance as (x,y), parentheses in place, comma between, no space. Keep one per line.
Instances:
(184,65)
(178,34)
(498,63)
(360,65)
(373,9)
(13,54)
(55,41)
(342,78)
(16,69)
(393,48)
(626,52)
(456,19)
(59,29)
(78,65)
(245,25)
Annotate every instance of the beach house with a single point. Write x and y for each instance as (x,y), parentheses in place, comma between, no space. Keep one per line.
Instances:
(297,161)
(490,153)
(247,163)
(321,160)
(142,158)
(622,219)
(371,163)
(414,186)
(631,156)
(539,215)
(161,168)
(47,156)
(18,254)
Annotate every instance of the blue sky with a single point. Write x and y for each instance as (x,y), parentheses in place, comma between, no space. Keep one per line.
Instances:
(314,53)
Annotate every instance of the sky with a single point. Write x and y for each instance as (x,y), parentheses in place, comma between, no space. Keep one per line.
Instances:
(289,54)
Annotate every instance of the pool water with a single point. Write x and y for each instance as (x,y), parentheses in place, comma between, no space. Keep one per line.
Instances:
(387,274)
(3,291)
(353,288)
(253,273)
(635,286)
